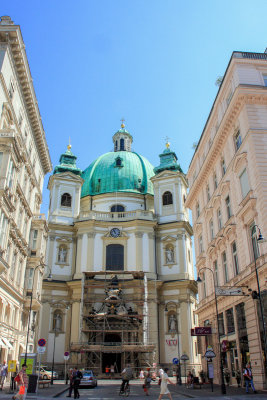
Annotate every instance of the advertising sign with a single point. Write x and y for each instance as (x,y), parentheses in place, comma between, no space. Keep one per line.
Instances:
(30,364)
(12,364)
(203,330)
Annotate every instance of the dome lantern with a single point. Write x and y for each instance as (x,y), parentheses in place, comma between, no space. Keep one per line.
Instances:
(122,139)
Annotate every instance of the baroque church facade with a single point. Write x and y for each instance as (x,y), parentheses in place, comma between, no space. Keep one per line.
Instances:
(120,253)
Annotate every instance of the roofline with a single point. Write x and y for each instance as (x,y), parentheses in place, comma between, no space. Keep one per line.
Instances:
(27,89)
(234,55)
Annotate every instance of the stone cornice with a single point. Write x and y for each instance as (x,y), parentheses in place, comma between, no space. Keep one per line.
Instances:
(11,36)
(244,94)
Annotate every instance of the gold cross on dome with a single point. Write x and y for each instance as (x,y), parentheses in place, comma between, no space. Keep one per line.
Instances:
(122,123)
(69,145)
(167,142)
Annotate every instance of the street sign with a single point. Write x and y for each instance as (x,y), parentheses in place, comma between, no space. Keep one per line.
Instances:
(229,291)
(41,342)
(210,354)
(66,358)
(66,353)
(41,350)
(175,361)
(184,357)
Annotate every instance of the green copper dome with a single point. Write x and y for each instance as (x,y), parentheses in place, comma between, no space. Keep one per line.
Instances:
(119,171)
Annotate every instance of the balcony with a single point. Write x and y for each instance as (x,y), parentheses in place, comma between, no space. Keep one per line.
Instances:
(3,265)
(116,216)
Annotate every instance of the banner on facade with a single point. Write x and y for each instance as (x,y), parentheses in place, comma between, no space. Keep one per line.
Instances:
(171,342)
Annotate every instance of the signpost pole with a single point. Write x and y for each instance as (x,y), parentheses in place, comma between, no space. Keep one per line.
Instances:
(37,387)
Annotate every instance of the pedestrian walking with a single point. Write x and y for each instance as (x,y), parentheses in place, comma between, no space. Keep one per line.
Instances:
(77,376)
(22,384)
(3,374)
(141,375)
(71,382)
(107,371)
(112,371)
(147,381)
(164,385)
(249,378)
(238,377)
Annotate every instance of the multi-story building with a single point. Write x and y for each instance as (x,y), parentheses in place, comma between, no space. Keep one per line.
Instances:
(24,161)
(228,197)
(123,288)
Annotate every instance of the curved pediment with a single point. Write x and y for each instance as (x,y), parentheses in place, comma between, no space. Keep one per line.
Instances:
(239,161)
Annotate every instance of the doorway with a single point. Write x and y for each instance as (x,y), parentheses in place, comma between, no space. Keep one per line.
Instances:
(108,359)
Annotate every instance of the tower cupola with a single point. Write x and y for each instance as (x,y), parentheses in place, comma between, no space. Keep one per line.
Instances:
(122,139)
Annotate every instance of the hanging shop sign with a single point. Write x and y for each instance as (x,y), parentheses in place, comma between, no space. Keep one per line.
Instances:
(201,331)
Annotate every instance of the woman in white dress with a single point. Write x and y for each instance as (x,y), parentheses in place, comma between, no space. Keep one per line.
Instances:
(163,386)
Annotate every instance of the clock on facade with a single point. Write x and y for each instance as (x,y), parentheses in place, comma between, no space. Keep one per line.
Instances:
(115,232)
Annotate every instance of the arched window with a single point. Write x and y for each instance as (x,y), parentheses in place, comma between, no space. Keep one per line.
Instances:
(167,198)
(115,257)
(122,144)
(66,200)
(117,208)
(57,321)
(118,162)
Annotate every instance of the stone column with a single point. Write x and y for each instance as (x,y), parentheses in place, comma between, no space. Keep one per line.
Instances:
(139,250)
(79,254)
(90,251)
(151,251)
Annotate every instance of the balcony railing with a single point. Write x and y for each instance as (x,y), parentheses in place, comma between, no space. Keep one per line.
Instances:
(254,56)
(116,216)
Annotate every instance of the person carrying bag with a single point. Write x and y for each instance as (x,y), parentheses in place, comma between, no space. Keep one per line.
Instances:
(22,380)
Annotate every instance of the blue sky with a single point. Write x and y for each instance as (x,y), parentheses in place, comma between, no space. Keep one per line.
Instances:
(152,62)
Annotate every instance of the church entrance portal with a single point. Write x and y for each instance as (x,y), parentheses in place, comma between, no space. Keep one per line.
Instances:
(108,359)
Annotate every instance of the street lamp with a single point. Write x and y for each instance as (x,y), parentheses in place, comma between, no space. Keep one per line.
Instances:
(260,239)
(223,387)
(55,321)
(30,310)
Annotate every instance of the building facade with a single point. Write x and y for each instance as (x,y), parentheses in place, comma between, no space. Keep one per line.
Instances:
(24,161)
(120,250)
(228,197)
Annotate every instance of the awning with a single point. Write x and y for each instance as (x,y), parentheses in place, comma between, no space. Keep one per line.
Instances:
(2,344)
(9,345)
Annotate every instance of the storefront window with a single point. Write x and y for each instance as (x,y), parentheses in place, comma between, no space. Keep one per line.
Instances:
(230,321)
(221,325)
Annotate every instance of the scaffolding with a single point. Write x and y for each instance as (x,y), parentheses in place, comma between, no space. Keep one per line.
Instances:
(114,321)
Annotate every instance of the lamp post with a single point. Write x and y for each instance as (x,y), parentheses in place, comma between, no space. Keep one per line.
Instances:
(30,310)
(260,239)
(223,387)
(53,360)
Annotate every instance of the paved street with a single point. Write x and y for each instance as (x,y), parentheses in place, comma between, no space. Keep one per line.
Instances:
(109,390)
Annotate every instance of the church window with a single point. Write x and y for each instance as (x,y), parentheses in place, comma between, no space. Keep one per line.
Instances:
(115,257)
(116,145)
(119,162)
(167,198)
(57,321)
(122,144)
(66,200)
(117,208)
